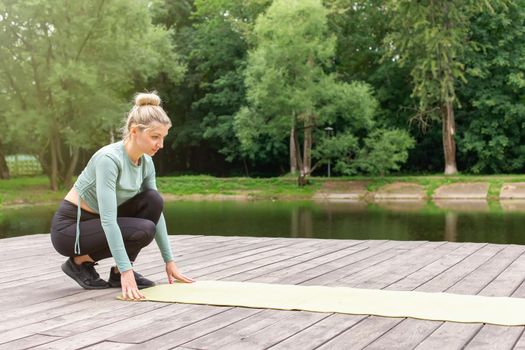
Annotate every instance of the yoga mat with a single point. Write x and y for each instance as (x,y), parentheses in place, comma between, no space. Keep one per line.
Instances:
(428,306)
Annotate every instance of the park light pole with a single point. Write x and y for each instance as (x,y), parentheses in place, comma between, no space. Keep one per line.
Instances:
(329,131)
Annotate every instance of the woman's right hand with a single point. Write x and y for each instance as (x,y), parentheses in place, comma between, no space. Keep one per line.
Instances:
(130,291)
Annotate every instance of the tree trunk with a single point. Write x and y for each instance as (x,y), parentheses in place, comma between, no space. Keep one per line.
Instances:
(53,174)
(293,158)
(307,150)
(246,171)
(4,170)
(68,177)
(301,180)
(449,145)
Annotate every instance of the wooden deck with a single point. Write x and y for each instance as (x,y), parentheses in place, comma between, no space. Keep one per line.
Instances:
(44,309)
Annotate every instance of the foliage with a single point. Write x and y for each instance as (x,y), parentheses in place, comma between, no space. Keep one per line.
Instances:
(491,136)
(431,37)
(289,84)
(67,69)
(383,152)
(285,70)
(341,148)
(255,69)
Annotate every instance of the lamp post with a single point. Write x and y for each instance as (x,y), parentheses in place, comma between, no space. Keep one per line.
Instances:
(329,131)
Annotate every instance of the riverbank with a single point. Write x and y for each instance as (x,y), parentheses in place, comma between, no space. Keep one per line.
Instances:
(35,190)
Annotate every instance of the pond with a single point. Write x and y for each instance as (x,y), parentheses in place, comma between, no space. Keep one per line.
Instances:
(473,222)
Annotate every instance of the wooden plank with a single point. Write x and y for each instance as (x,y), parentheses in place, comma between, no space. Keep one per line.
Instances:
(330,271)
(38,314)
(184,335)
(281,270)
(362,334)
(237,271)
(234,259)
(136,321)
(235,331)
(508,282)
(492,337)
(45,310)
(471,285)
(248,262)
(16,296)
(50,326)
(277,332)
(108,345)
(71,325)
(405,335)
(188,326)
(392,270)
(461,269)
(450,335)
(414,331)
(478,279)
(319,333)
(520,344)
(27,342)
(279,267)
(438,267)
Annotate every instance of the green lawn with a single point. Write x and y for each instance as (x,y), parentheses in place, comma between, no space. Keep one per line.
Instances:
(35,190)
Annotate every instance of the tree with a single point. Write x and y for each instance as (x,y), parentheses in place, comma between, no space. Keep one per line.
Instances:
(289,86)
(66,69)
(4,170)
(490,137)
(213,39)
(431,36)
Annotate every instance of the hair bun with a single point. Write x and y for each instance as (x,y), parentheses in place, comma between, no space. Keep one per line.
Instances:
(147,99)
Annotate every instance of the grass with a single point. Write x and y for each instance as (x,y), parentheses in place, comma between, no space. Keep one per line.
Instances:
(35,190)
(28,190)
(281,187)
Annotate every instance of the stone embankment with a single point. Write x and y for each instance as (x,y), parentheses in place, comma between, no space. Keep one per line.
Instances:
(357,190)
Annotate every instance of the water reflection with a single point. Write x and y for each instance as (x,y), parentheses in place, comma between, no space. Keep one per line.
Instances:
(471,205)
(451,227)
(473,221)
(516,205)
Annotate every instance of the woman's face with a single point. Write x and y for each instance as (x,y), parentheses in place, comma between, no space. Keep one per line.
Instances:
(149,141)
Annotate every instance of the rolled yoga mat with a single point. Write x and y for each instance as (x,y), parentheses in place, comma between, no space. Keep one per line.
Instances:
(421,305)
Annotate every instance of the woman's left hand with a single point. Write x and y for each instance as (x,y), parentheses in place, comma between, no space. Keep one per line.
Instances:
(174,274)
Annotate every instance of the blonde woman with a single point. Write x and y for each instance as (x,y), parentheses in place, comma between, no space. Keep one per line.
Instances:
(114,208)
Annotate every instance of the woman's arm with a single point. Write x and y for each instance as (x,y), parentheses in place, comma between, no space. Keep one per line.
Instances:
(161,233)
(106,174)
(161,236)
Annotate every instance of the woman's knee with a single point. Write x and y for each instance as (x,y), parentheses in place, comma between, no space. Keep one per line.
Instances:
(154,198)
(144,232)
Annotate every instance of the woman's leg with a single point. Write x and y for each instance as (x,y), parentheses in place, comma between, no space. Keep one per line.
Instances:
(145,205)
(137,218)
(137,233)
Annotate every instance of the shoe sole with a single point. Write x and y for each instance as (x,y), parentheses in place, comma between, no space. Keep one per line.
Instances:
(80,283)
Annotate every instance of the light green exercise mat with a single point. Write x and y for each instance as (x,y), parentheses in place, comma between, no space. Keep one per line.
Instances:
(429,306)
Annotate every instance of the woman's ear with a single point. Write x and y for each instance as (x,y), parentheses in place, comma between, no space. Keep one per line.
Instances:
(133,130)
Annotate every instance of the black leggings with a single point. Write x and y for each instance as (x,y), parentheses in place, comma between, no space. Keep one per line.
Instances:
(137,219)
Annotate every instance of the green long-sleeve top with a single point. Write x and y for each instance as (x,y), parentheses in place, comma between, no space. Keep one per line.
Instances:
(109,179)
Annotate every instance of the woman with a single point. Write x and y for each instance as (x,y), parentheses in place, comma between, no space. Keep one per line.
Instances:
(114,208)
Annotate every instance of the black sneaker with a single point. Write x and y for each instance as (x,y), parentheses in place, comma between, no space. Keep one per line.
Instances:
(85,274)
(142,282)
